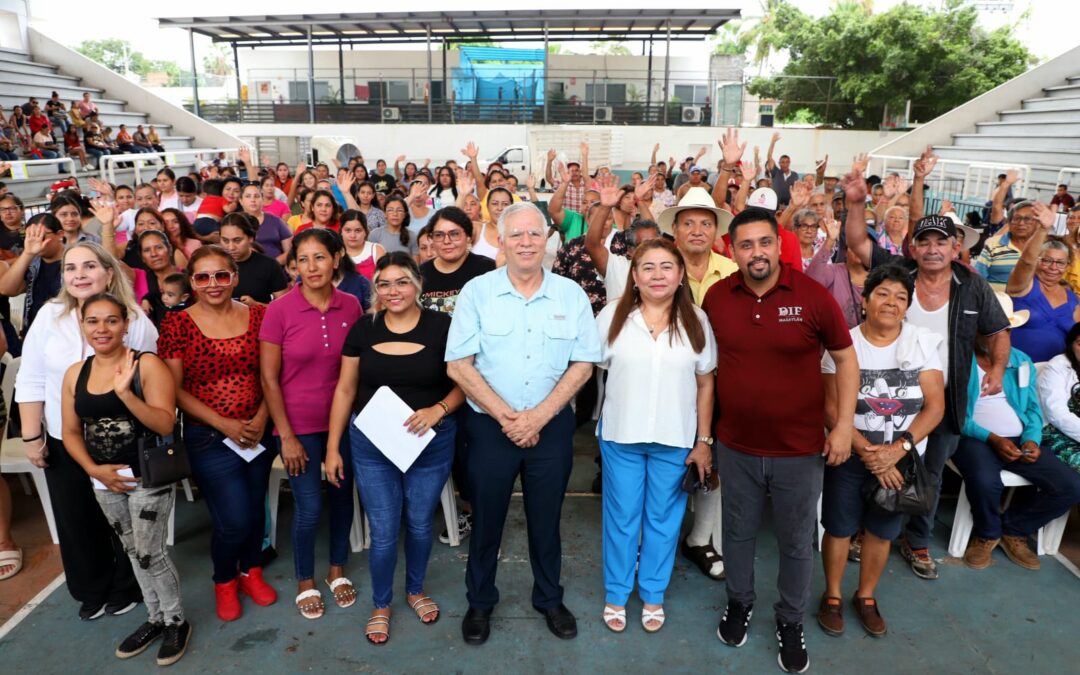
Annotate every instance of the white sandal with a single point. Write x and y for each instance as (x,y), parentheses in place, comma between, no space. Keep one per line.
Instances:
(345,598)
(309,602)
(11,558)
(611,614)
(647,616)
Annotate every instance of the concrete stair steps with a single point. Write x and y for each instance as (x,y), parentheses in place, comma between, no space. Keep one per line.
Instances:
(104,105)
(1021,128)
(27,67)
(41,91)
(1019,155)
(1034,141)
(1063,91)
(1017,115)
(14,74)
(1056,103)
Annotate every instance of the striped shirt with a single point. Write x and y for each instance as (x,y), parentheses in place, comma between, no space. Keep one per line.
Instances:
(997,260)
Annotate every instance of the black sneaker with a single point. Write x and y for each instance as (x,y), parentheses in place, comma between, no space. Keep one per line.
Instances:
(792,657)
(118,608)
(464,524)
(174,643)
(89,612)
(137,642)
(734,624)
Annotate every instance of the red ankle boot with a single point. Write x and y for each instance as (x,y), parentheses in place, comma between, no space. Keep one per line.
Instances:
(228,602)
(253,584)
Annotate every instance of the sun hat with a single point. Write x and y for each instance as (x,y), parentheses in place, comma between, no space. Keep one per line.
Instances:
(695,198)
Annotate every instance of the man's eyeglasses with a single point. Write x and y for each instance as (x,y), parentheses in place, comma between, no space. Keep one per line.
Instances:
(452,235)
(220,278)
(1054,264)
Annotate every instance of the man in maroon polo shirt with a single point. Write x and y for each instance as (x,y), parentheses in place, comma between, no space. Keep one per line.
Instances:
(771,324)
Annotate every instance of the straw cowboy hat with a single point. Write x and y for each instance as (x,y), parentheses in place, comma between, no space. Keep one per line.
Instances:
(695,198)
(971,235)
(1016,318)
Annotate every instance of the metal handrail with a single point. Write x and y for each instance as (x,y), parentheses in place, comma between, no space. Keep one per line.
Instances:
(107,163)
(21,166)
(1066,170)
(973,172)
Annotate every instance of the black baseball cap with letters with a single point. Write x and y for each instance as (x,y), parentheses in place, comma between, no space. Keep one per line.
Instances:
(942,224)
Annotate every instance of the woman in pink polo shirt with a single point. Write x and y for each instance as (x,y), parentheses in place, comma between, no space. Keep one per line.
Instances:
(301,342)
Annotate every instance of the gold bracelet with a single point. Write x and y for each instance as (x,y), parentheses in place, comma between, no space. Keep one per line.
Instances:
(446,408)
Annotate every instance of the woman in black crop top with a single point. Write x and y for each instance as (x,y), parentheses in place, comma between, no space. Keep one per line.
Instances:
(103,421)
(400,346)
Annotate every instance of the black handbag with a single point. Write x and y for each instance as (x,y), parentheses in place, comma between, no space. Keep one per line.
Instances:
(163,460)
(915,498)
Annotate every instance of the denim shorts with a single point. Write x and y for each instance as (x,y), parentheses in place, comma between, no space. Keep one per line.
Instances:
(844,509)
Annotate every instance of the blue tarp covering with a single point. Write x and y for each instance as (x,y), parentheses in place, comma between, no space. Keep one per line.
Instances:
(495,77)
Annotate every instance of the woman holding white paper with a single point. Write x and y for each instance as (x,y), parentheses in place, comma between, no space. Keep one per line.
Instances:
(212,349)
(400,347)
(106,412)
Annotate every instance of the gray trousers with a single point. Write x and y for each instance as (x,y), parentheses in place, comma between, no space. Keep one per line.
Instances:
(141,519)
(941,445)
(794,483)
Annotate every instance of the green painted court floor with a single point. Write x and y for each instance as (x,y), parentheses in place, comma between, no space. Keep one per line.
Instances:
(1000,620)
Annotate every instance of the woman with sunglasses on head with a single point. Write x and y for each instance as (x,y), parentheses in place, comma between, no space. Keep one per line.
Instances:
(301,341)
(98,572)
(402,347)
(396,235)
(1037,284)
(273,235)
(261,277)
(212,350)
(106,413)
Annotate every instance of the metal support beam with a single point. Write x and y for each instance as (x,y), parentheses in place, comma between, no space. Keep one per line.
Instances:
(544,91)
(427,44)
(310,78)
(445,47)
(341,70)
(648,84)
(236,68)
(667,72)
(194,74)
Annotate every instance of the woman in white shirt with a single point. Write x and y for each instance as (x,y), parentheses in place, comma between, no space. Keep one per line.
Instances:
(1060,399)
(98,572)
(660,355)
(901,400)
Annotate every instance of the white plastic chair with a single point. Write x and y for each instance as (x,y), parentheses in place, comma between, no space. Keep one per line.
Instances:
(358,538)
(450,513)
(1048,538)
(13,457)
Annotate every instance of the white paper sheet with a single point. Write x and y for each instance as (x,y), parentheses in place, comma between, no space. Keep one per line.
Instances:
(126,473)
(247,454)
(383,421)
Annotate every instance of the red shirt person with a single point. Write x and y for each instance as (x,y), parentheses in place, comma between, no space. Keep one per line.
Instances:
(771,323)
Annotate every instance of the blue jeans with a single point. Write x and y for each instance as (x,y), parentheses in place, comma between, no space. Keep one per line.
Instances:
(49,154)
(307,495)
(96,153)
(9,156)
(643,502)
(1058,489)
(386,493)
(235,493)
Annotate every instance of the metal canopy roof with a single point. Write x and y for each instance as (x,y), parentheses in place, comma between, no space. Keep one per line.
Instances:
(457,26)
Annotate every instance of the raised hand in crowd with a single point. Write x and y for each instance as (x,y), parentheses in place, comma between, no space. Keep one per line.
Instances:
(730,148)
(610,194)
(924,166)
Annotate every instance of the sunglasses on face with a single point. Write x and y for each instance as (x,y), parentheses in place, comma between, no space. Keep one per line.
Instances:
(220,278)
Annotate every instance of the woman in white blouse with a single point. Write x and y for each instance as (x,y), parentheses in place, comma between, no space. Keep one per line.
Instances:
(98,572)
(1060,399)
(660,355)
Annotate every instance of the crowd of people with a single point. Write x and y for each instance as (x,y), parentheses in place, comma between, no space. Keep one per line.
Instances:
(35,131)
(272,307)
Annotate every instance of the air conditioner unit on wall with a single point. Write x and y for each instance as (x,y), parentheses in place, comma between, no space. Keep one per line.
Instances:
(601,114)
(391,114)
(691,114)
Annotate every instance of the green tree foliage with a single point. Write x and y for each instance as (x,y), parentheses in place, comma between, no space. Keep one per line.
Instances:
(118,56)
(844,68)
(609,48)
(219,61)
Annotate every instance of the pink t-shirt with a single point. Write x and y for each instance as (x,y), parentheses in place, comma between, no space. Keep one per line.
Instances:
(278,208)
(311,345)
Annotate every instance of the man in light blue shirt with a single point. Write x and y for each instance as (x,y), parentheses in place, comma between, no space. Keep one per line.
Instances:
(523,341)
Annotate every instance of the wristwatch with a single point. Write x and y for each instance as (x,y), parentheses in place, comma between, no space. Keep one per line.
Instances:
(907,441)
(707,440)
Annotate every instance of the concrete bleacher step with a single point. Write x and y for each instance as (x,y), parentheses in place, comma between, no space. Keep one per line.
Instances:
(1063,91)
(1067,128)
(1014,155)
(104,105)
(13,74)
(1071,103)
(44,88)
(27,67)
(1035,141)
(1017,115)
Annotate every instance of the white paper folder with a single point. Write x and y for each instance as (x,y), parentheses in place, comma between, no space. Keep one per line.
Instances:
(383,421)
